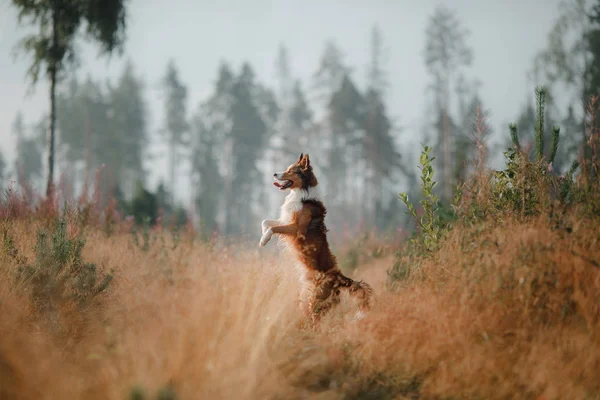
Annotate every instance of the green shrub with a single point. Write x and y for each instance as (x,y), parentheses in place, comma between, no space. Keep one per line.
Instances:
(522,189)
(431,225)
(59,272)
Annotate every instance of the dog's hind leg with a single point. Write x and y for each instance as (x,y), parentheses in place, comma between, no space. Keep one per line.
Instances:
(361,291)
(326,295)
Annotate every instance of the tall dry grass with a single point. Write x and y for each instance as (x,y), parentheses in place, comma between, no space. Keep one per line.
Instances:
(506,306)
(501,311)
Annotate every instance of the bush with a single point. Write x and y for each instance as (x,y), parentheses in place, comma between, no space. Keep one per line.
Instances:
(523,189)
(58,273)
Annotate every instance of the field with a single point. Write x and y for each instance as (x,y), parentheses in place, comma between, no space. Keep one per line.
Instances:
(503,309)
(500,300)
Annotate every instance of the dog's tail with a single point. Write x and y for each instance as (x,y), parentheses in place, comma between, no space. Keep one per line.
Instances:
(326,293)
(360,290)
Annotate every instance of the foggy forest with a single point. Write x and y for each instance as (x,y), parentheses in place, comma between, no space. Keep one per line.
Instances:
(456,146)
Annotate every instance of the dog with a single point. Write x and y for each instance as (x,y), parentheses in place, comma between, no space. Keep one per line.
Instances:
(301,226)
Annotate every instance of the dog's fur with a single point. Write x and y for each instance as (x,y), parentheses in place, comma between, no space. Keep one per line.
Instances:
(301,226)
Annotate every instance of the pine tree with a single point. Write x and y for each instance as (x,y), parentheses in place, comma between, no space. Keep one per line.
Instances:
(294,120)
(446,54)
(205,173)
(334,94)
(569,141)
(248,133)
(105,126)
(127,141)
(176,125)
(28,162)
(213,135)
(593,41)
(284,141)
(83,125)
(326,81)
(570,58)
(346,122)
(379,149)
(472,131)
(54,45)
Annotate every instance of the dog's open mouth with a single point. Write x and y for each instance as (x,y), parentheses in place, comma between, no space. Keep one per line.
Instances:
(284,184)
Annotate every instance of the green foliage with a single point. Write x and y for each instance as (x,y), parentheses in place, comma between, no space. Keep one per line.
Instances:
(514,136)
(142,236)
(525,186)
(165,393)
(144,207)
(540,95)
(522,189)
(137,393)
(58,272)
(53,46)
(446,54)
(59,21)
(431,225)
(359,251)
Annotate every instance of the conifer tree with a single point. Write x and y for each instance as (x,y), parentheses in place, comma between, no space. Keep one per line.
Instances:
(205,172)
(83,124)
(28,161)
(128,138)
(346,124)
(571,58)
(105,125)
(336,98)
(213,140)
(248,134)
(446,54)
(379,150)
(176,126)
(326,81)
(53,46)
(294,121)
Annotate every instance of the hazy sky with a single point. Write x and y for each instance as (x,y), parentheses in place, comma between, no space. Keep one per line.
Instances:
(505,35)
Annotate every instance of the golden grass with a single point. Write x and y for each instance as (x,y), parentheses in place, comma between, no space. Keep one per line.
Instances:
(500,312)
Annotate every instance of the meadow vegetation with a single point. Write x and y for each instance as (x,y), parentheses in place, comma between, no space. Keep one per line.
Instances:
(496,296)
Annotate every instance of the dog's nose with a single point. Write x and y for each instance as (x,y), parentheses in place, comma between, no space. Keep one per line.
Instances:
(275,174)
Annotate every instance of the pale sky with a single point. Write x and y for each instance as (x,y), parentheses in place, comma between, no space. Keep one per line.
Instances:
(505,36)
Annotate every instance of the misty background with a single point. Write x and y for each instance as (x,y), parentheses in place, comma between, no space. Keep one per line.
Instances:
(198,37)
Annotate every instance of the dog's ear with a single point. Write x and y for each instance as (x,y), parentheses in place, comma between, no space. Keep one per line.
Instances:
(305,162)
(300,157)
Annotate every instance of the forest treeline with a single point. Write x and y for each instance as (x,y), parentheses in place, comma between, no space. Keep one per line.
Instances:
(245,129)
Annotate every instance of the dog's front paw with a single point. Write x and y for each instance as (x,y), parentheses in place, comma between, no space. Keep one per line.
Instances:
(266,237)
(264,226)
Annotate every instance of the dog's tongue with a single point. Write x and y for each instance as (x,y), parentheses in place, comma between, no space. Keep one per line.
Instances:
(277,184)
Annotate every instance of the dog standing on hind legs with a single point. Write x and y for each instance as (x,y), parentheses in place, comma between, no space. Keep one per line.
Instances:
(301,225)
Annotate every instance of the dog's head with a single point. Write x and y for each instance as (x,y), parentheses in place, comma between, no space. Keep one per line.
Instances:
(299,175)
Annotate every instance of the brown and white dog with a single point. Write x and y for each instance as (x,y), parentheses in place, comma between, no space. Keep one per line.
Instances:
(301,225)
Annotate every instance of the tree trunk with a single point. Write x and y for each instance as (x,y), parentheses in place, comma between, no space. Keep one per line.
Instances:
(52,123)
(172,172)
(51,132)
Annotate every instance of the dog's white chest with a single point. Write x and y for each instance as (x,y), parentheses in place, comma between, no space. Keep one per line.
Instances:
(291,205)
(294,202)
